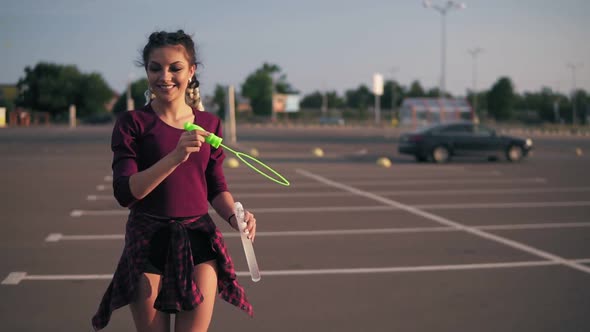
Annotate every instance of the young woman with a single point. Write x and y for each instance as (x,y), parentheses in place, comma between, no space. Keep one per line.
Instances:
(174,260)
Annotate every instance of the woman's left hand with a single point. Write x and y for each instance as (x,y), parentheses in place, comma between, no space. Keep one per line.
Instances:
(250,225)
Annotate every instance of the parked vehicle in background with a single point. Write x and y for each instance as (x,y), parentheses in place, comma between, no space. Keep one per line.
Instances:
(332,121)
(441,142)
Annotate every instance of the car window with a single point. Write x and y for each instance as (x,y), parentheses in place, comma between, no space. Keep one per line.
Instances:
(462,129)
(427,128)
(483,131)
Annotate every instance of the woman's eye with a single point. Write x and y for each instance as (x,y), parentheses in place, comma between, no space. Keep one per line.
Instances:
(154,69)
(175,69)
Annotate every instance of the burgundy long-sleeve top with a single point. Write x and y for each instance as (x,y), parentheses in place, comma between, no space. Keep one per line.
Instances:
(140,138)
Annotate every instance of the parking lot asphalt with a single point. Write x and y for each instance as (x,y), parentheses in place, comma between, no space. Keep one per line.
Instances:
(470,245)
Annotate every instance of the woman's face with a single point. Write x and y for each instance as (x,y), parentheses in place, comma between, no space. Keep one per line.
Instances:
(168,72)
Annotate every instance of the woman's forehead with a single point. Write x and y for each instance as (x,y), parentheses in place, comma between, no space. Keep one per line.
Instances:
(169,53)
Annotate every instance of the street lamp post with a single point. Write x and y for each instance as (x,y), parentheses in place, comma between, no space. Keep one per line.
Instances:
(325,104)
(474,53)
(273,113)
(129,98)
(443,10)
(573,68)
(393,71)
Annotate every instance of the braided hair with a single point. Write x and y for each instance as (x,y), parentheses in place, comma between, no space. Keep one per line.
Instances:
(162,38)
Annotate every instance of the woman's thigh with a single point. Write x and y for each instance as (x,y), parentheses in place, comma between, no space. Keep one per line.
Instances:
(146,318)
(198,320)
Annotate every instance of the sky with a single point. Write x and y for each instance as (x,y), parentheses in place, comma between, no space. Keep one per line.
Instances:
(320,45)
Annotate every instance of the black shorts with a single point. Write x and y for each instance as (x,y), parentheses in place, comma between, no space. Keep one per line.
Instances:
(200,247)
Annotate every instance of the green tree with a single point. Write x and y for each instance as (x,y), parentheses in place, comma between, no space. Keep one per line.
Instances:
(360,99)
(312,100)
(258,87)
(315,100)
(92,95)
(398,94)
(334,100)
(8,96)
(501,99)
(53,88)
(482,101)
(416,90)
(539,104)
(138,89)
(435,93)
(219,98)
(581,100)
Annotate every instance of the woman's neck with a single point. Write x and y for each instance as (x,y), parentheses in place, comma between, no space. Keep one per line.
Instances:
(174,110)
(174,113)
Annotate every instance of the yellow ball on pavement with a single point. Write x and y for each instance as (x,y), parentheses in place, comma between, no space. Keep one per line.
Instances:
(318,152)
(384,162)
(254,152)
(233,163)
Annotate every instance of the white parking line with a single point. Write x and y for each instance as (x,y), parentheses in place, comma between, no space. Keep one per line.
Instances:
(398,182)
(496,205)
(369,208)
(484,191)
(411,168)
(56,237)
(368,176)
(15,278)
(450,223)
(395,192)
(124,212)
(406,173)
(80,213)
(445,181)
(535,226)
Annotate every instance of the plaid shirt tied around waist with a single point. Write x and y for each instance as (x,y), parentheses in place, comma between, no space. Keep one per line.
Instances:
(179,290)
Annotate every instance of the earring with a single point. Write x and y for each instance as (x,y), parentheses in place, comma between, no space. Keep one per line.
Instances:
(149,95)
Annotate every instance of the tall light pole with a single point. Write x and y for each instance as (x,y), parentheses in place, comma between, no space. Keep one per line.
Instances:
(573,68)
(393,71)
(324,104)
(474,53)
(443,10)
(129,98)
(273,113)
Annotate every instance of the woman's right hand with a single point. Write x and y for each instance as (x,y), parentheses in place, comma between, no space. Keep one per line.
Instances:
(189,142)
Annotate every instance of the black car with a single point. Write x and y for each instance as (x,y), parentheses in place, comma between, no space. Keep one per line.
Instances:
(440,142)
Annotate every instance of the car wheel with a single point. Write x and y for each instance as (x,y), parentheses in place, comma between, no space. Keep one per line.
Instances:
(514,153)
(440,154)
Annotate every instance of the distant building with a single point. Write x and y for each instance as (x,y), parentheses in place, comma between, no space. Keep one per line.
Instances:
(111,103)
(243,104)
(418,112)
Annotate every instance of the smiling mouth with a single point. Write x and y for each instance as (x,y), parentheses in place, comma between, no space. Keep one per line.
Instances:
(166,86)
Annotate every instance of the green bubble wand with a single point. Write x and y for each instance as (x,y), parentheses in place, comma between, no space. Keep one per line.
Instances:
(215,142)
